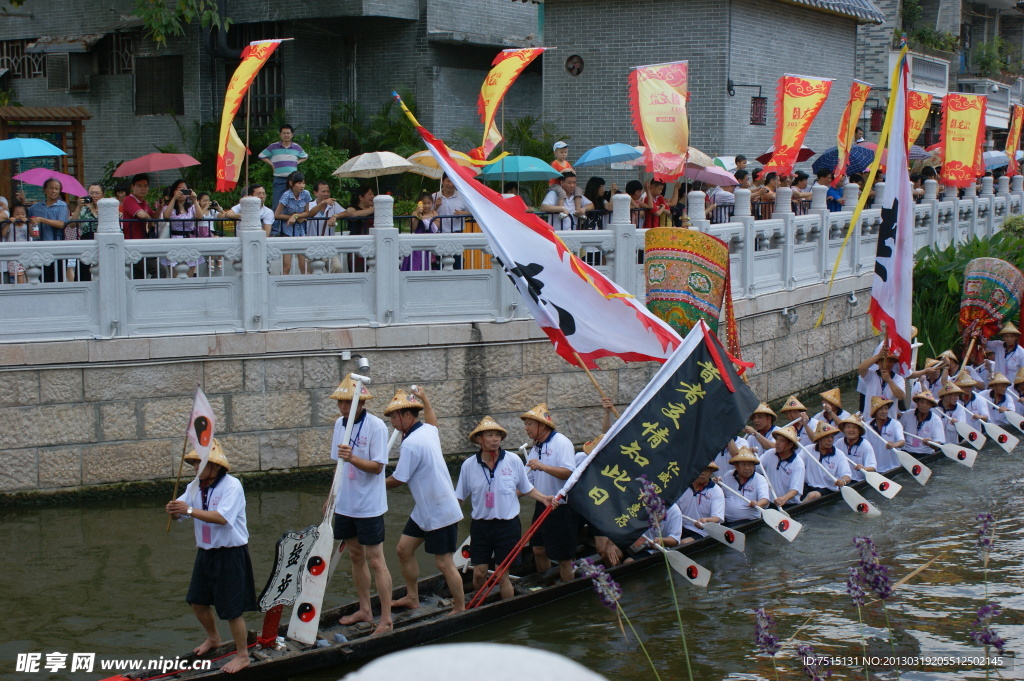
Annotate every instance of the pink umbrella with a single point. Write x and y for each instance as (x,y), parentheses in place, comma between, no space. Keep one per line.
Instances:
(39,176)
(155,162)
(710,175)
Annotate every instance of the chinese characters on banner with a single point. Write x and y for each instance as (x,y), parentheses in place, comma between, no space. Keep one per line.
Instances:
(846,138)
(506,68)
(657,100)
(798,101)
(1013,140)
(230,150)
(684,416)
(291,554)
(919,105)
(963,131)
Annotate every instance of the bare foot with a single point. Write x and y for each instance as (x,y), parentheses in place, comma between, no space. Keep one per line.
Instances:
(206,646)
(358,616)
(384,627)
(239,662)
(455,611)
(406,602)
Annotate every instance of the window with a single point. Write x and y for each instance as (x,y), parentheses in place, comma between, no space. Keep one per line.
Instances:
(116,53)
(21,65)
(160,86)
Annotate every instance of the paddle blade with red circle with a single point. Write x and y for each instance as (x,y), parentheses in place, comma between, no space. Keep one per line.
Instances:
(1015,419)
(1000,436)
(917,469)
(883,485)
(697,575)
(462,555)
(971,436)
(734,539)
(858,503)
(781,523)
(964,455)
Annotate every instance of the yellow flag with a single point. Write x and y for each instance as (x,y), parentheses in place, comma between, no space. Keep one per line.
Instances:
(505,68)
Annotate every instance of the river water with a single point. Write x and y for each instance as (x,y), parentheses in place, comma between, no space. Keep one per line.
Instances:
(105,577)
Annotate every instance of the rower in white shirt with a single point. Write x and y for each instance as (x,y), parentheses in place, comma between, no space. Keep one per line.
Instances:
(831,408)
(949,403)
(726,454)
(704,502)
(759,435)
(921,427)
(879,376)
(749,483)
(997,394)
(855,446)
(1017,392)
(1009,355)
(977,410)
(891,431)
(793,410)
(785,468)
(819,484)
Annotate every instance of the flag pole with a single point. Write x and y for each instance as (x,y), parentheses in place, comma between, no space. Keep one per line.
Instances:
(181,465)
(594,381)
(248,102)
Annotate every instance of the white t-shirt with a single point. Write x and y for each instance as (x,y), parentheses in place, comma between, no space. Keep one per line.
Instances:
(804,432)
(836,463)
(421,466)
(316,224)
(960,414)
(227,498)
(931,429)
(706,503)
(885,459)
(1007,363)
(266,215)
(449,222)
(509,476)
(671,526)
(754,489)
(860,452)
(820,416)
(1007,403)
(362,494)
(556,451)
(566,222)
(871,385)
(755,446)
(975,406)
(722,460)
(785,476)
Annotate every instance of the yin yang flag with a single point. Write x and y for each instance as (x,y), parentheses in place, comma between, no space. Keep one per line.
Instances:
(670,432)
(200,428)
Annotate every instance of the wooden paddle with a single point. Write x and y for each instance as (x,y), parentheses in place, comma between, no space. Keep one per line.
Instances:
(462,555)
(920,471)
(684,565)
(306,611)
(780,522)
(852,497)
(391,443)
(734,539)
(998,434)
(972,436)
(1015,419)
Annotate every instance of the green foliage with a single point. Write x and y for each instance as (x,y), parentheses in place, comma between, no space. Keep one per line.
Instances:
(992,57)
(910,13)
(7,98)
(944,41)
(1014,224)
(937,284)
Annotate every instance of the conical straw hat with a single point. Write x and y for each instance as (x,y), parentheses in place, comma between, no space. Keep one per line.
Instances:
(216,456)
(744,454)
(950,355)
(950,389)
(1019,378)
(998,379)
(877,402)
(822,430)
(347,388)
(1008,327)
(855,420)
(487,423)
(833,397)
(540,413)
(965,380)
(788,432)
(712,465)
(763,408)
(403,401)
(926,395)
(792,404)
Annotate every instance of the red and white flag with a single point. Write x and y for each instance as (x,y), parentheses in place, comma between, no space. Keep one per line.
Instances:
(891,289)
(581,311)
(200,428)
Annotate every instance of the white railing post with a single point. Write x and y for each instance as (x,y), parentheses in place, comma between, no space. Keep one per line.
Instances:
(744,247)
(784,211)
(695,203)
(851,195)
(819,197)
(986,186)
(931,190)
(931,199)
(1003,186)
(383,261)
(255,276)
(626,239)
(110,270)
(879,193)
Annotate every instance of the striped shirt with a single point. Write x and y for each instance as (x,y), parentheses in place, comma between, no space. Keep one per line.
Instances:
(285,159)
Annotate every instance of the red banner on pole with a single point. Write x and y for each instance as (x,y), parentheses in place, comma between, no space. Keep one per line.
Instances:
(846,138)
(1013,140)
(963,131)
(798,101)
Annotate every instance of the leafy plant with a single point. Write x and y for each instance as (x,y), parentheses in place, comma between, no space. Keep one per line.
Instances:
(1014,224)
(991,57)
(944,41)
(911,13)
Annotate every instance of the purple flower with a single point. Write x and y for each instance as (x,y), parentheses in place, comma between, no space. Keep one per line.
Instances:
(608,590)
(871,574)
(854,588)
(986,531)
(811,667)
(653,503)
(983,634)
(768,644)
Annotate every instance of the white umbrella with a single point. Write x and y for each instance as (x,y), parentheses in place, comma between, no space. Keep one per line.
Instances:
(374,164)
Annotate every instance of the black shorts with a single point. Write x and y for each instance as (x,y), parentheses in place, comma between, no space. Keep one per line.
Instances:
(367,531)
(820,490)
(695,536)
(494,539)
(557,534)
(223,578)
(435,542)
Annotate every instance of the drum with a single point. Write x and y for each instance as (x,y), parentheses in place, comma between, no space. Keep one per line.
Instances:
(687,274)
(991,296)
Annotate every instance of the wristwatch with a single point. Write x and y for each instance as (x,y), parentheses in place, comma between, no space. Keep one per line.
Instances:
(189,512)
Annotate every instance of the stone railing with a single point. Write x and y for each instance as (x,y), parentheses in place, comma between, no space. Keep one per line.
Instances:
(238,289)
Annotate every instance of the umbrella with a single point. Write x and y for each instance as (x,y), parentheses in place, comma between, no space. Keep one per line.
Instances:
(698,158)
(39,176)
(995,159)
(374,164)
(918,153)
(27,147)
(726,162)
(519,169)
(154,163)
(425,164)
(805,153)
(860,159)
(606,154)
(710,175)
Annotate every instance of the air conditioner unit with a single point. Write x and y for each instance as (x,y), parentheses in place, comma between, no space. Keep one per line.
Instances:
(69,72)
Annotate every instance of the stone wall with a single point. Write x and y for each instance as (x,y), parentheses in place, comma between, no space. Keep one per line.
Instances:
(92,412)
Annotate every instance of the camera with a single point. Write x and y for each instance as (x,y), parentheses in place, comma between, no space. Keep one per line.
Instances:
(87,199)
(186,192)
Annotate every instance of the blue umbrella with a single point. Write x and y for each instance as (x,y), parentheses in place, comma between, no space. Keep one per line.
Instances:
(860,159)
(27,147)
(607,153)
(519,169)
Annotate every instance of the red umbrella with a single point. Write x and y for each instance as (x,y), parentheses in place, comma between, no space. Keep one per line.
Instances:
(38,177)
(152,163)
(805,153)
